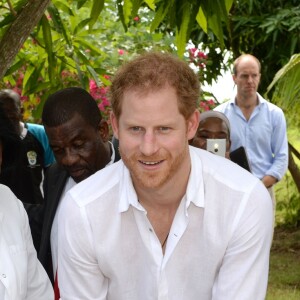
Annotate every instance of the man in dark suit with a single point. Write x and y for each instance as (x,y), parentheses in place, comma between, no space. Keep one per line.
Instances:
(79,138)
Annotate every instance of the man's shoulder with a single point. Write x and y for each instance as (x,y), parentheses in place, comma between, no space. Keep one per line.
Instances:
(55,171)
(223,172)
(8,201)
(223,106)
(97,185)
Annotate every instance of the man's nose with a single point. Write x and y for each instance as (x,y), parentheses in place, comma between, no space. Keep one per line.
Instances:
(250,79)
(70,157)
(149,144)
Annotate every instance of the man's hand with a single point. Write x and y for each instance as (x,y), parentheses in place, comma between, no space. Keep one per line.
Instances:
(269,181)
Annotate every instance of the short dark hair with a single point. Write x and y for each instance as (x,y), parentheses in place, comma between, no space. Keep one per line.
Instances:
(9,138)
(61,106)
(153,71)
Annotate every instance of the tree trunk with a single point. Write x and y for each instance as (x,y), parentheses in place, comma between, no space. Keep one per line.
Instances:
(293,168)
(19,31)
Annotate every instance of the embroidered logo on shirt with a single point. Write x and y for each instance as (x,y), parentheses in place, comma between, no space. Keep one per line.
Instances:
(31,156)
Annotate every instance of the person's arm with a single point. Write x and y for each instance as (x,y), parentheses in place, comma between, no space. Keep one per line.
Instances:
(244,270)
(38,283)
(279,146)
(79,274)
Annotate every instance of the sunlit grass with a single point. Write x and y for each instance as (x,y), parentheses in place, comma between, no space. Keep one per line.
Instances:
(284,276)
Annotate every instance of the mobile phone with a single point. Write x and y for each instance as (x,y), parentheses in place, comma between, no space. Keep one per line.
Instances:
(216,146)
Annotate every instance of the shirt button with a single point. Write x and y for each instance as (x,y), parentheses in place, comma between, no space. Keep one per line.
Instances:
(4,275)
(150,229)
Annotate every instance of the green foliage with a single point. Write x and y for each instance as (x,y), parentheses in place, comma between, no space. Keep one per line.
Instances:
(286,85)
(267,29)
(287,195)
(65,50)
(77,41)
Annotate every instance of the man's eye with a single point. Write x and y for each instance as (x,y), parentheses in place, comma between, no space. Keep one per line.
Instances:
(164,129)
(78,145)
(135,128)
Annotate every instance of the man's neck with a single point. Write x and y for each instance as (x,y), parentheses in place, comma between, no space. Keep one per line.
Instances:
(247,104)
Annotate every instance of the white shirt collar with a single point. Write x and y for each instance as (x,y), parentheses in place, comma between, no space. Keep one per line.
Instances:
(194,193)
(113,154)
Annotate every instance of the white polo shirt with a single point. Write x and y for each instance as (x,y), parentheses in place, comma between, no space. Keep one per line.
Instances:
(218,246)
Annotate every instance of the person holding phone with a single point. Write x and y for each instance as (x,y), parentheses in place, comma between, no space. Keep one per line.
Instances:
(213,133)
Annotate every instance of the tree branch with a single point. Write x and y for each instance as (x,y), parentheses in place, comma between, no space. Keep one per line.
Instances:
(19,31)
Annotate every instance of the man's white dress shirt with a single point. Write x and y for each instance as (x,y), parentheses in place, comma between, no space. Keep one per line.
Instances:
(54,229)
(218,246)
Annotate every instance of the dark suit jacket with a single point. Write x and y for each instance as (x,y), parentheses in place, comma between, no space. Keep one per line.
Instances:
(54,184)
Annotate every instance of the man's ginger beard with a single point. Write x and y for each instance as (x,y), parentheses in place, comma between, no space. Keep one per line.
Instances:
(157,178)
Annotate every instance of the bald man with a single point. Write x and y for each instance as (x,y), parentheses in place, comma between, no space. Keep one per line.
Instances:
(256,124)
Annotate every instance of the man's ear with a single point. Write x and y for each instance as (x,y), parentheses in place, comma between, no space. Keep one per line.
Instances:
(192,124)
(234,78)
(114,124)
(104,130)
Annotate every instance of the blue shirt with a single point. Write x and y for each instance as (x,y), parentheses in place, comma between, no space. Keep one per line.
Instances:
(39,132)
(263,136)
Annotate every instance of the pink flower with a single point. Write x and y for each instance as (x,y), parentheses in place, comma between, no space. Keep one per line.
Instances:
(92,85)
(193,51)
(202,55)
(64,73)
(136,18)
(121,51)
(101,107)
(211,102)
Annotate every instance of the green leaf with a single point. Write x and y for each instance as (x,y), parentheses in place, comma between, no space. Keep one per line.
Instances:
(83,42)
(201,19)
(57,22)
(121,14)
(228,4)
(81,25)
(136,4)
(160,15)
(151,4)
(294,61)
(127,8)
(15,67)
(94,75)
(29,71)
(48,46)
(80,3)
(63,7)
(81,56)
(95,12)
(181,37)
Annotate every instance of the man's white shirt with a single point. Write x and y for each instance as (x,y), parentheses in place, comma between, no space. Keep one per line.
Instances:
(218,246)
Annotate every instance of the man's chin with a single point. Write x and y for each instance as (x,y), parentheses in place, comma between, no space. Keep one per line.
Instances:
(79,176)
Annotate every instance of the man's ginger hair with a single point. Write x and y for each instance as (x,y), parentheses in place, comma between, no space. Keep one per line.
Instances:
(152,72)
